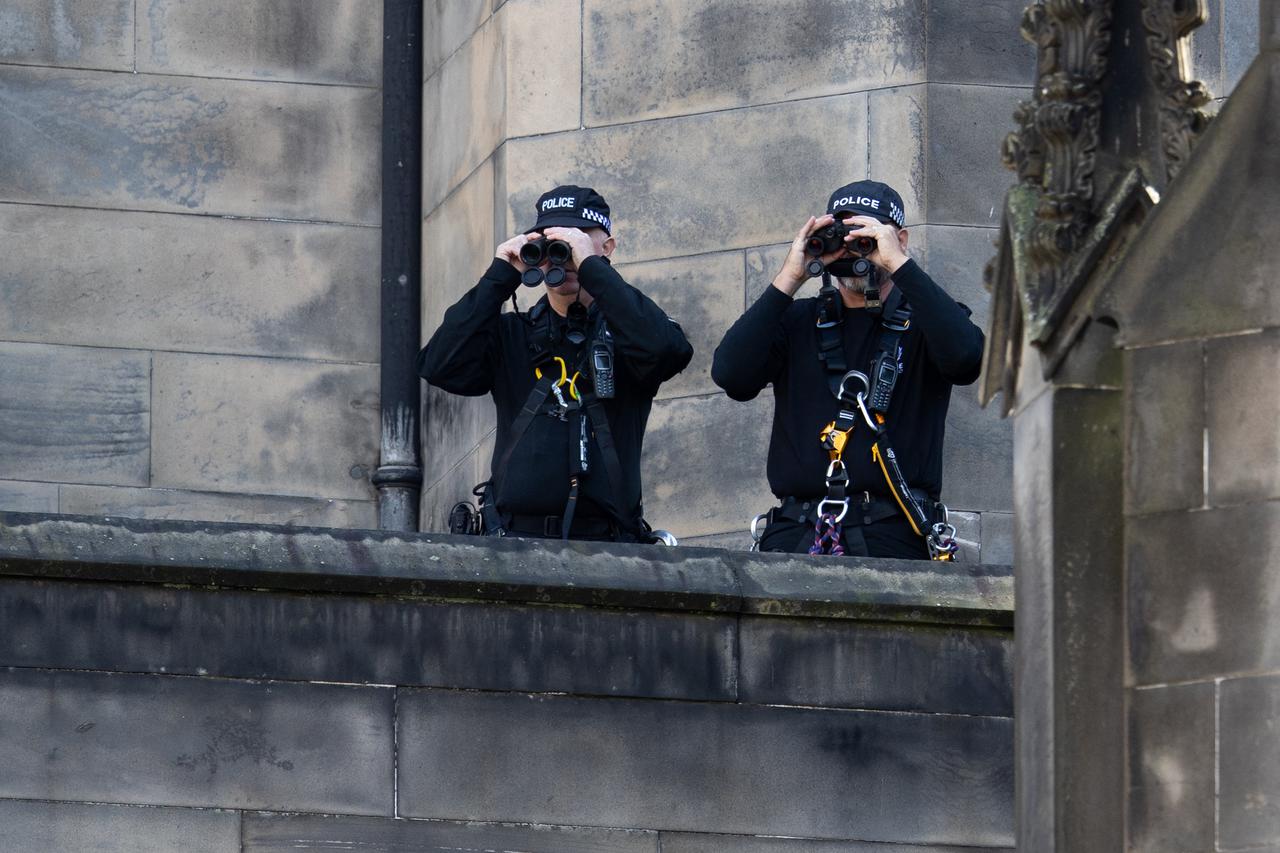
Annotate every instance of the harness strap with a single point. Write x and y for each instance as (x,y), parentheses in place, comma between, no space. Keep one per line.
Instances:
(612,465)
(541,390)
(831,334)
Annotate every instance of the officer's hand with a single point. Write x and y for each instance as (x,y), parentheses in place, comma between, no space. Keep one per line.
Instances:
(890,253)
(510,250)
(579,241)
(793,273)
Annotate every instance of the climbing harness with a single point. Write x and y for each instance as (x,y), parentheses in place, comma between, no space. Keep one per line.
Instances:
(870,404)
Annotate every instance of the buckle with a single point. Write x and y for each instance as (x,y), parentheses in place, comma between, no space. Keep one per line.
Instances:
(552,527)
(844,508)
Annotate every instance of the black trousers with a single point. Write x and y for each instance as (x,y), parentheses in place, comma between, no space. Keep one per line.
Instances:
(889,537)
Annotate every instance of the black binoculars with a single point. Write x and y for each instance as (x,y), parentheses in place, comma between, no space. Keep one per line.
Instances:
(535,252)
(830,239)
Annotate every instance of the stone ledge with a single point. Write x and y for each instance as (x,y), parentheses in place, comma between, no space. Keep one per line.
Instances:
(427,565)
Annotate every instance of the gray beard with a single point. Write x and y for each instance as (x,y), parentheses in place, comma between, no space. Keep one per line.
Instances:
(856,285)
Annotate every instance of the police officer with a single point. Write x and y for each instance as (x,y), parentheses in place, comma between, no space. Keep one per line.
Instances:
(573,380)
(856,460)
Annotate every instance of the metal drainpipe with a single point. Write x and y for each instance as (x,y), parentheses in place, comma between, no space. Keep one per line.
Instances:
(399,475)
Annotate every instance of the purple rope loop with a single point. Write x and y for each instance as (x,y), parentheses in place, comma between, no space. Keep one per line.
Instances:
(826,537)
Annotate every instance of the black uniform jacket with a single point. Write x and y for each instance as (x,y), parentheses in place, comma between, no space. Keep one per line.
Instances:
(479,350)
(776,342)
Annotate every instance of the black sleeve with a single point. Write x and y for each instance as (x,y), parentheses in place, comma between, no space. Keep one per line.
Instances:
(754,349)
(649,344)
(462,355)
(952,341)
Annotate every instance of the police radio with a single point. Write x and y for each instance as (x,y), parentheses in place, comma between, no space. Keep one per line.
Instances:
(884,375)
(602,365)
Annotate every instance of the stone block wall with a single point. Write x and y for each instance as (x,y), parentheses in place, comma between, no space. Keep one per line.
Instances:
(714,129)
(189,211)
(247,689)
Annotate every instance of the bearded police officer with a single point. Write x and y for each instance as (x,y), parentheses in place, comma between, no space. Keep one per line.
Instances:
(862,377)
(572,380)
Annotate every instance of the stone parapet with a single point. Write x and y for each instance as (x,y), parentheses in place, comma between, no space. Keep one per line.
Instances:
(443,693)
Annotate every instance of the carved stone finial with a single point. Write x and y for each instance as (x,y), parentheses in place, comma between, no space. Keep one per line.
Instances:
(1168,23)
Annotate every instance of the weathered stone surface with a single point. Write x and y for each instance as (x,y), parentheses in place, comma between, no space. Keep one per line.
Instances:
(454,426)
(739,540)
(693,489)
(192,742)
(694,184)
(1203,593)
(834,664)
(295,40)
(368,640)
(544,62)
(182,144)
(458,246)
(72,33)
(213,506)
(372,562)
(763,265)
(1164,424)
(977,41)
(966,181)
(1164,298)
(688,842)
(287,833)
(28,497)
(997,538)
(514,570)
(1172,732)
(896,123)
(1239,40)
(74,413)
(915,591)
(1249,763)
(1069,665)
(463,112)
(458,242)
(446,26)
(31,826)
(267,426)
(647,61)
(702,295)
(156,281)
(954,256)
(1244,417)
(544,759)
(454,485)
(977,458)
(507,80)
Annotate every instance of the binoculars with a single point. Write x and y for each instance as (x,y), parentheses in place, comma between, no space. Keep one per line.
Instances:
(829,239)
(535,252)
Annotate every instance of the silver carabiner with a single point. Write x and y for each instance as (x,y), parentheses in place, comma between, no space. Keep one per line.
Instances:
(854,374)
(756,533)
(866,416)
(844,508)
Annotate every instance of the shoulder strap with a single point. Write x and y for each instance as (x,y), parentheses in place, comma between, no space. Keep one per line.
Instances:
(612,464)
(541,389)
(830,326)
(885,365)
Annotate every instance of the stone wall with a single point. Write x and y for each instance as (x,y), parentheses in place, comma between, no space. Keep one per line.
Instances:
(189,210)
(224,688)
(1202,466)
(714,129)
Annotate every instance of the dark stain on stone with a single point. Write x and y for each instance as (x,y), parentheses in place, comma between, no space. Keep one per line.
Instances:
(155,141)
(231,741)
